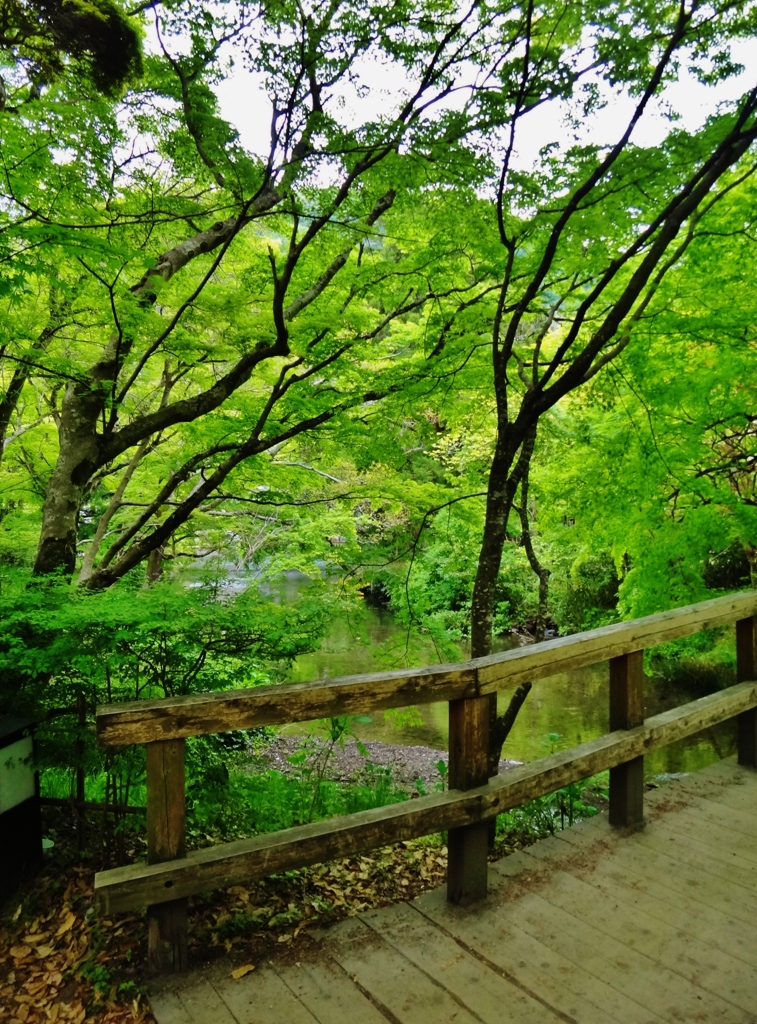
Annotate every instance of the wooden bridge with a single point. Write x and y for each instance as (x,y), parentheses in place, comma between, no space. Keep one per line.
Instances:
(598,943)
(594,926)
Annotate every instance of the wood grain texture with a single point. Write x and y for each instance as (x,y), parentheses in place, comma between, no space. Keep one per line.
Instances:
(195,1003)
(144,721)
(705,965)
(627,712)
(327,990)
(576,995)
(473,984)
(661,900)
(166,841)
(402,992)
(746,668)
(166,813)
(262,999)
(200,714)
(228,864)
(468,768)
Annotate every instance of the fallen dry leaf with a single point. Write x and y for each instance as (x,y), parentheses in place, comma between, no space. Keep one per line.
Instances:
(240,972)
(19,952)
(67,925)
(43,951)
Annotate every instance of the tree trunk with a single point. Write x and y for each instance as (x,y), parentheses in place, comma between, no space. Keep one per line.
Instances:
(539,570)
(751,557)
(77,457)
(499,501)
(155,564)
(504,478)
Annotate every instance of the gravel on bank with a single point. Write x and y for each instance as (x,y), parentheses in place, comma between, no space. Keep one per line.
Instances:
(348,764)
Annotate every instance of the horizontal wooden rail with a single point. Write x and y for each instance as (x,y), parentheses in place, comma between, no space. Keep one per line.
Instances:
(220,866)
(149,721)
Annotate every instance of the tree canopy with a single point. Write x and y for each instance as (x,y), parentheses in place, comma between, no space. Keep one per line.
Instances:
(206,349)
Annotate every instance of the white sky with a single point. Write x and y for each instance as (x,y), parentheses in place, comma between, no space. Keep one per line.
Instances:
(244,102)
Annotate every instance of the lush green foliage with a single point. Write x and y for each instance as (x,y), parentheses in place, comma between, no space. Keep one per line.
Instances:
(382,347)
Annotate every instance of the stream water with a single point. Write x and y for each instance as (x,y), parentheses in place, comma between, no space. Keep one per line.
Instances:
(560,711)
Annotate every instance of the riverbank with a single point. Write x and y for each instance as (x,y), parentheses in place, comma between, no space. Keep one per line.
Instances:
(407,764)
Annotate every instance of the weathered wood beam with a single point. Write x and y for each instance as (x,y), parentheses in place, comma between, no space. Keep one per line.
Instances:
(746,668)
(627,712)
(120,725)
(468,863)
(228,864)
(166,842)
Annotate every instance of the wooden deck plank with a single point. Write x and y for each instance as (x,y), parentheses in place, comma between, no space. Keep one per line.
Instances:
(489,933)
(738,939)
(694,869)
(733,780)
(742,795)
(721,781)
(724,782)
(628,971)
(722,842)
(405,994)
(261,998)
(667,903)
(700,885)
(481,989)
(717,789)
(721,847)
(726,770)
(202,1004)
(592,926)
(655,858)
(702,964)
(722,852)
(329,994)
(735,818)
(168,1008)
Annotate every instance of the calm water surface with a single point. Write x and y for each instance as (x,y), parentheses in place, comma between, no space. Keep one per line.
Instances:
(560,711)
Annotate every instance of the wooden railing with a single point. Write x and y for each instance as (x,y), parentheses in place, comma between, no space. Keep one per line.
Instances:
(171,875)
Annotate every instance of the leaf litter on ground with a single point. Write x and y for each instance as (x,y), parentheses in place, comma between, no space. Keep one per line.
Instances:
(60,961)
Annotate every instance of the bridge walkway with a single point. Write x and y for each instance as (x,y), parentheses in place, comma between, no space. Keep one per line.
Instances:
(591,926)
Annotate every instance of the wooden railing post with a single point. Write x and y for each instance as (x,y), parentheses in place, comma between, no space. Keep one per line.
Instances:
(626,712)
(166,922)
(467,871)
(746,670)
